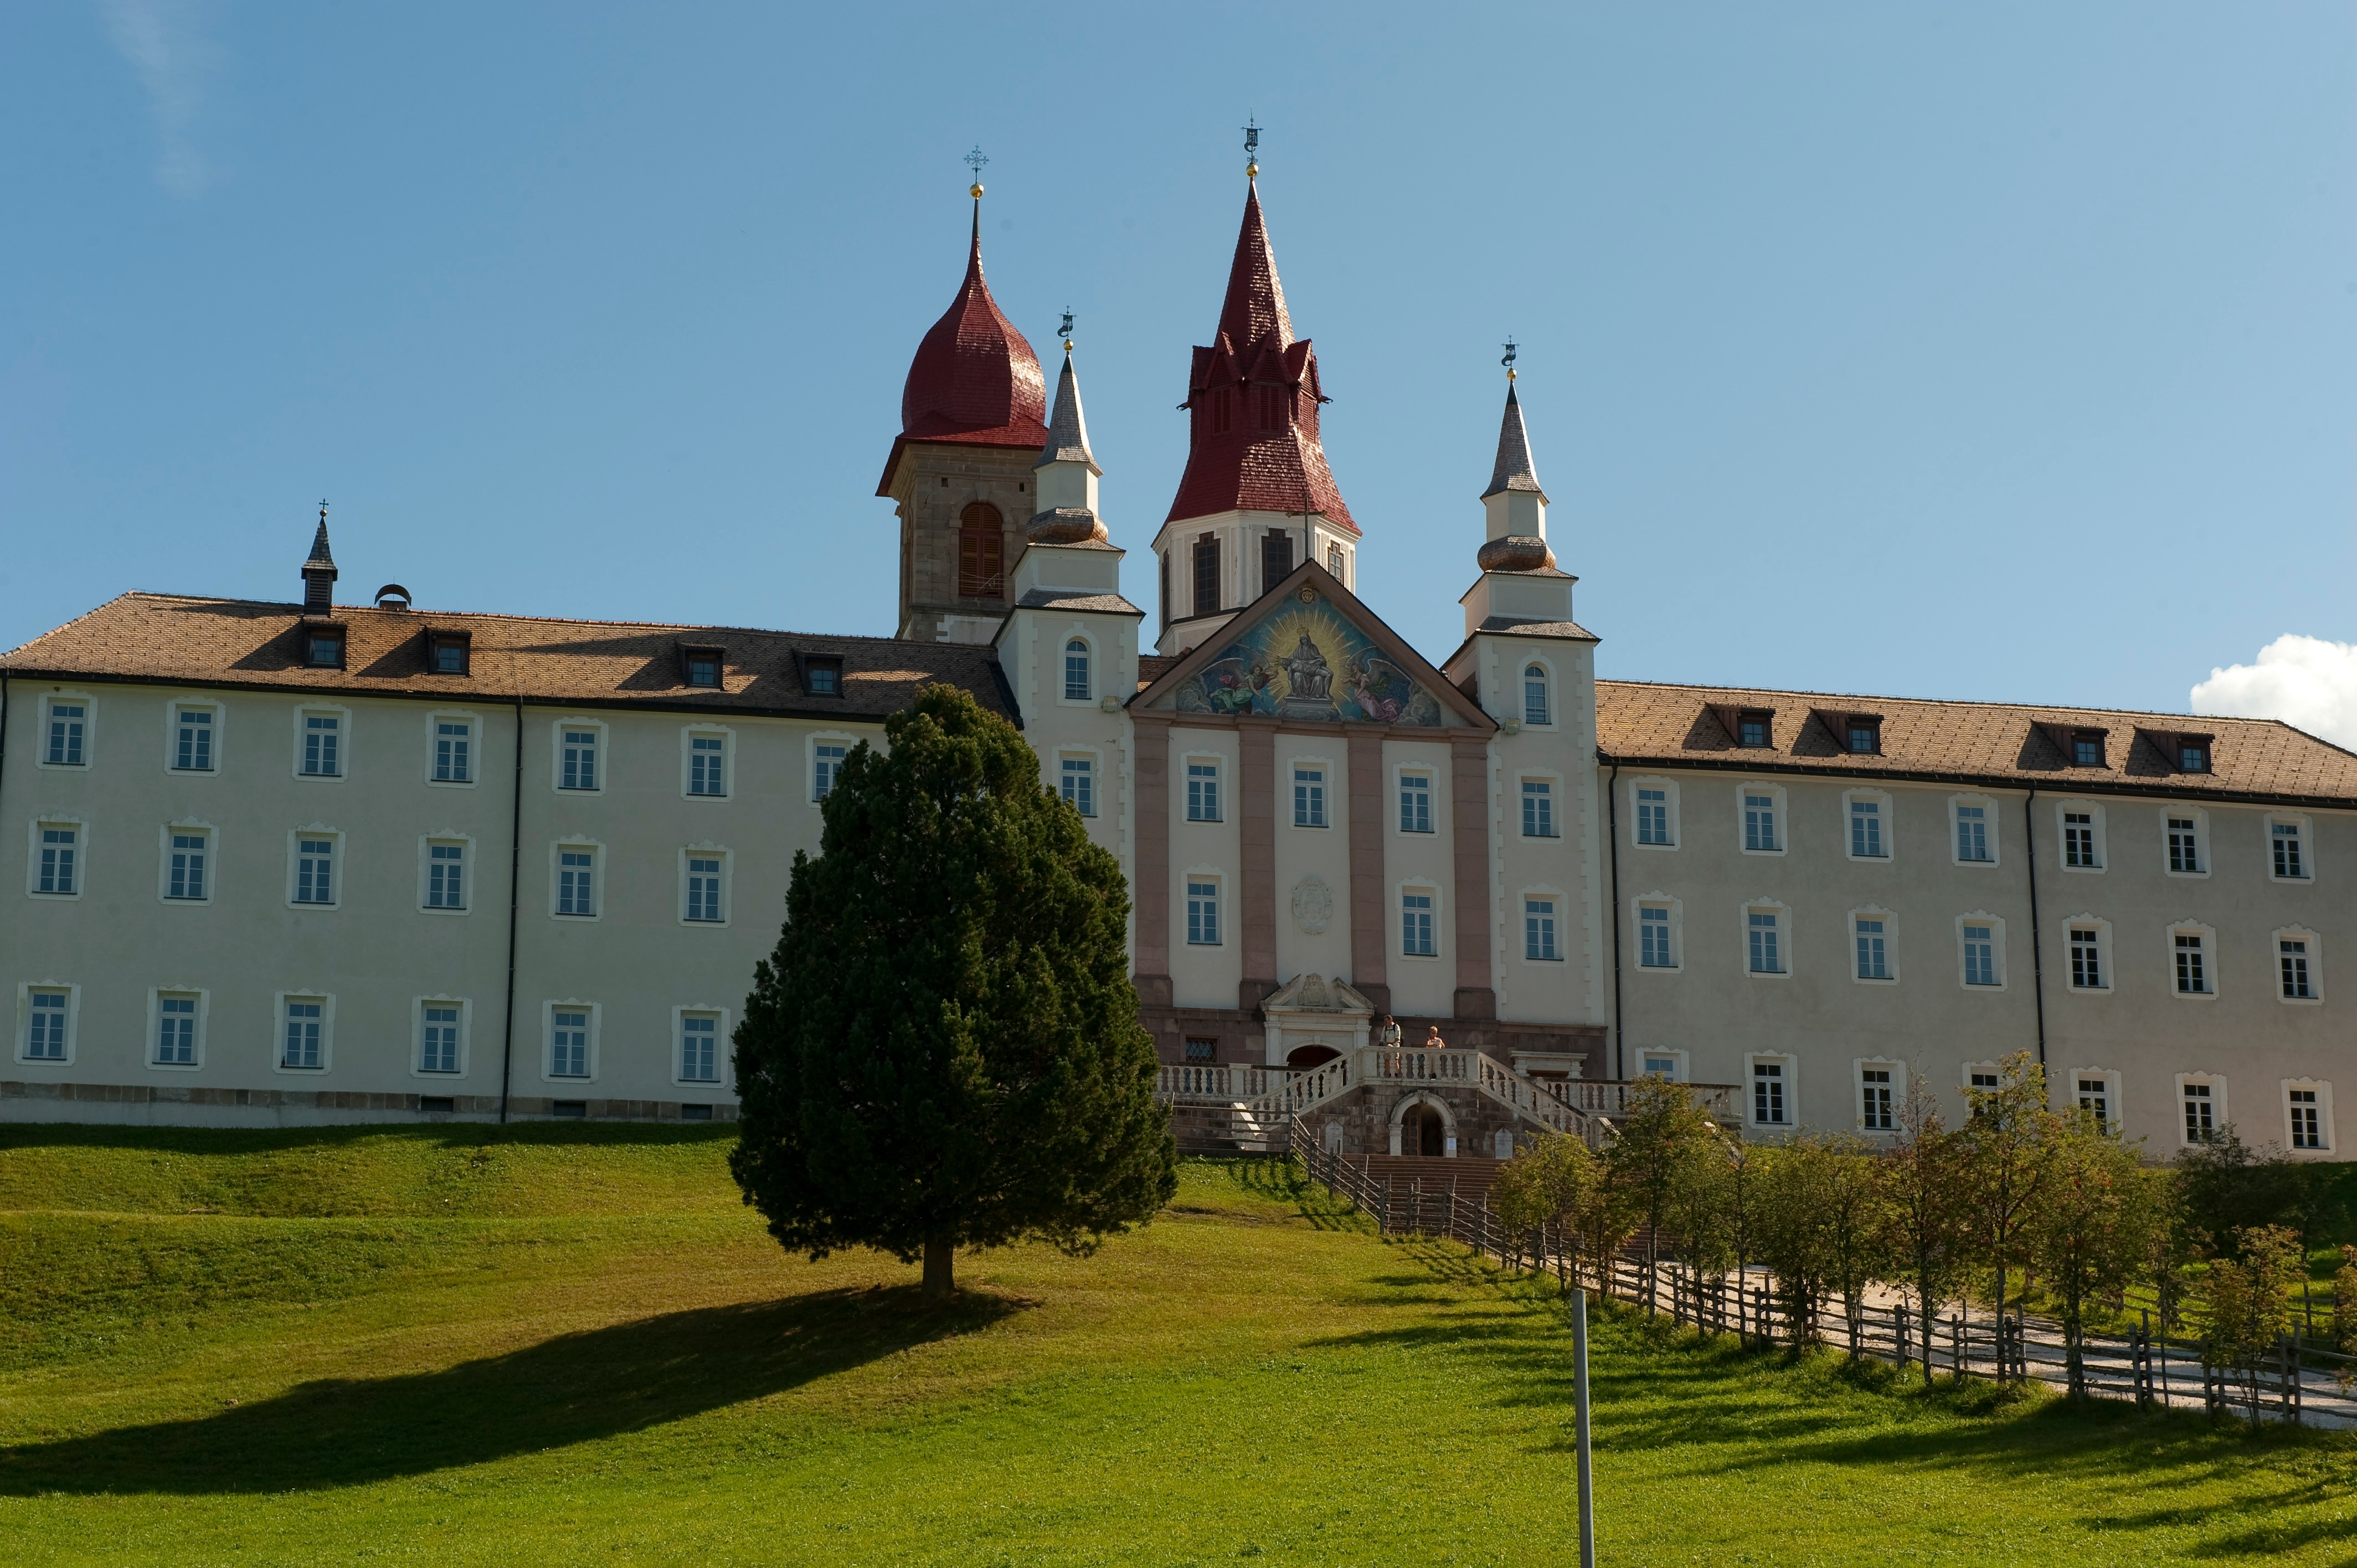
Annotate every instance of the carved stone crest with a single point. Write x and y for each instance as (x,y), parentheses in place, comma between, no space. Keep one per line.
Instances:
(1313,904)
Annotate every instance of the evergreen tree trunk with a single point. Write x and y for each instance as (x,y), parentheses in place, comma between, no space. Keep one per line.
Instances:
(940,1254)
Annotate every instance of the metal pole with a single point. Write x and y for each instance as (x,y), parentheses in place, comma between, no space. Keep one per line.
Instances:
(1579,1400)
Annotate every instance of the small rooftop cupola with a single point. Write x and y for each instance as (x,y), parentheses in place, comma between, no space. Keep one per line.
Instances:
(320,571)
(1066,474)
(1515,503)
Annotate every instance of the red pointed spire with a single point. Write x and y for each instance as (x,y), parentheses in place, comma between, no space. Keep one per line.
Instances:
(1252,401)
(975,380)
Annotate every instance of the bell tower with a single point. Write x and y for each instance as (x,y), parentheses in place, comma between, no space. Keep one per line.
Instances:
(972,420)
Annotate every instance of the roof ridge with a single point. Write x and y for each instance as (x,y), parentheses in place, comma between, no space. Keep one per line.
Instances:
(293,606)
(67,626)
(1948,702)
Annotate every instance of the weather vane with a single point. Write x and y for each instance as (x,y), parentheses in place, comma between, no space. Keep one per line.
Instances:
(974,160)
(1065,331)
(1509,360)
(1252,146)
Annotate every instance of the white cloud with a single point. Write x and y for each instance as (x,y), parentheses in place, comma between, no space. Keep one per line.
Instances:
(2303,681)
(166,44)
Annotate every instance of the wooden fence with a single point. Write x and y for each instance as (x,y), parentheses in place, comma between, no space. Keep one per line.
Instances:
(2299,1380)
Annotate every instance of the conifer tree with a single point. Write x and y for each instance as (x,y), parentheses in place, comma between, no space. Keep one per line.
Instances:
(944,1050)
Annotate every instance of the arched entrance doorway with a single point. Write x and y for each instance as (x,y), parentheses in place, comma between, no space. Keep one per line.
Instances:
(1304,1058)
(1422,1124)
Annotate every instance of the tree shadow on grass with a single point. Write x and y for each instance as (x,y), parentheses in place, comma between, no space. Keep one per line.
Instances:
(571,1388)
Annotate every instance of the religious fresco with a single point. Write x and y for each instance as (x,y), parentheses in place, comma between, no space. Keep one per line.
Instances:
(1305,662)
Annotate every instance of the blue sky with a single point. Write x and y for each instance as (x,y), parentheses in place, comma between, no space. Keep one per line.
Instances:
(1999,352)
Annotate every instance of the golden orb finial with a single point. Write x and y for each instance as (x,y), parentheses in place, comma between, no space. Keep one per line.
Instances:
(1251,171)
(974,190)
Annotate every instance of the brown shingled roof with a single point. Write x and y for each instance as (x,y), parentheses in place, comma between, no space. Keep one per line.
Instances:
(169,637)
(2004,743)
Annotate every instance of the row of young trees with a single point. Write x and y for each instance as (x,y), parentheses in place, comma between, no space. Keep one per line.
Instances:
(2016,1197)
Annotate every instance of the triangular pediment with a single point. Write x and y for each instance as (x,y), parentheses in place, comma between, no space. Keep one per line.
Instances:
(1308,650)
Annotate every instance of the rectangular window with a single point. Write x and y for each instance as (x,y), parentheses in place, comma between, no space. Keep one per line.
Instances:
(1275,559)
(568,1043)
(826,760)
(1200,1048)
(1768,1093)
(437,1038)
(1079,785)
(1864,737)
(1337,563)
(1203,914)
(1202,791)
(1758,822)
(703,887)
(67,720)
(187,878)
(326,649)
(445,876)
(699,1048)
(1874,1112)
(1415,802)
(2193,978)
(2184,846)
(822,677)
(703,666)
(2292,955)
(2289,863)
(2307,1125)
(450,655)
(1865,830)
(1982,1083)
(1980,955)
(1971,832)
(58,845)
(321,756)
(1309,797)
(302,1035)
(1766,955)
(1662,1067)
(1207,575)
(2096,1100)
(1654,816)
(1538,809)
(580,759)
(1751,729)
(175,1031)
(1654,939)
(315,871)
(1538,930)
(2087,751)
(192,740)
(2079,840)
(453,739)
(1873,951)
(2201,1114)
(2086,959)
(576,886)
(2193,756)
(45,1036)
(705,754)
(1416,925)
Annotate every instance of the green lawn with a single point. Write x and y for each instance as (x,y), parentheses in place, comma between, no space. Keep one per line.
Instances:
(562,1344)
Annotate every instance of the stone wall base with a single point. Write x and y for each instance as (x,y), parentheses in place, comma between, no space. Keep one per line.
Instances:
(1241,1037)
(197,1105)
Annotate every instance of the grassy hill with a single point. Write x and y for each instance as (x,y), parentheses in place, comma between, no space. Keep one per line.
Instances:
(550,1345)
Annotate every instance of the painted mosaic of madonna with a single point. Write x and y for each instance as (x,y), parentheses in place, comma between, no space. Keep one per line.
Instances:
(1307,662)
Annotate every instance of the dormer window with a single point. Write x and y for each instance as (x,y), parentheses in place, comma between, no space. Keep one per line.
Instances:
(2193,754)
(701,666)
(2087,748)
(1864,735)
(323,647)
(823,677)
(1752,728)
(448,653)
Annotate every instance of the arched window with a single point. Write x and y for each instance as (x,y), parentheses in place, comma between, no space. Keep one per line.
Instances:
(1076,671)
(1534,695)
(981,559)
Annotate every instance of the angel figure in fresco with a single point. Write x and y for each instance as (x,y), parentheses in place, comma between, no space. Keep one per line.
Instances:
(1231,686)
(1381,690)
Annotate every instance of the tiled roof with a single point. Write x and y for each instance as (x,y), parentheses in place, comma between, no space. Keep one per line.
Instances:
(244,642)
(975,380)
(1152,666)
(2006,744)
(1245,466)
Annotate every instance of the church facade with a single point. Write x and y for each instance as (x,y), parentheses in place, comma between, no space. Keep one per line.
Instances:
(303,861)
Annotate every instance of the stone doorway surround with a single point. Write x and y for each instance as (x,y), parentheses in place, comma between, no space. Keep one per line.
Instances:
(1311,1009)
(1421,1099)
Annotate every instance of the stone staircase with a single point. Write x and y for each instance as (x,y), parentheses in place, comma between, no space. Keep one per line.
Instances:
(1242,1109)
